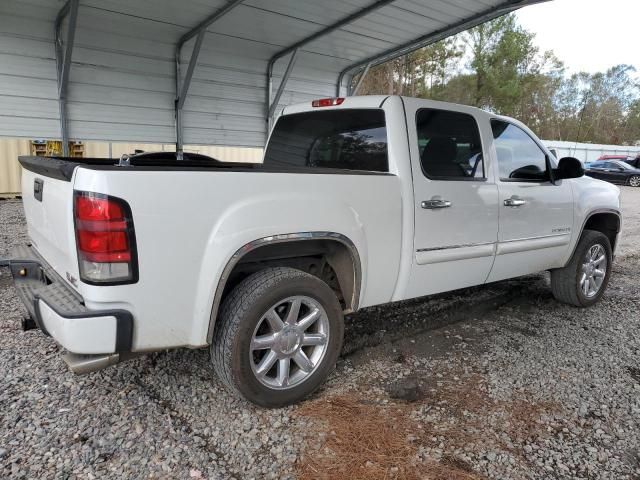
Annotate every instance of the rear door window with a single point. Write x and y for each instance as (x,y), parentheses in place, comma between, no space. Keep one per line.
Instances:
(449,145)
(345,139)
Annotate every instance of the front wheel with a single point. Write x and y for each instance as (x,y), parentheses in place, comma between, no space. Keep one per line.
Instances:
(634,180)
(278,337)
(583,281)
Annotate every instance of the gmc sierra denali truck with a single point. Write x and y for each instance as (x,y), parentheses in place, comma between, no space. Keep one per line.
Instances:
(359,201)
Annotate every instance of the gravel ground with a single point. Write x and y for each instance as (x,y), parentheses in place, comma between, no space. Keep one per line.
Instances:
(497,381)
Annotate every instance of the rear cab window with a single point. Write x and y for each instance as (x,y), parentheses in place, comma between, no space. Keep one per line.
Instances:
(342,139)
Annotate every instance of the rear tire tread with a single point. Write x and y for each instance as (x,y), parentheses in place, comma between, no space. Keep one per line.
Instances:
(234,310)
(234,306)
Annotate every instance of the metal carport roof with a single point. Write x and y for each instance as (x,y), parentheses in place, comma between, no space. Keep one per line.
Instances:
(113,72)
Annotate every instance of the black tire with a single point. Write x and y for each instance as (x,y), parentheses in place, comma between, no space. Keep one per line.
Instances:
(241,312)
(565,281)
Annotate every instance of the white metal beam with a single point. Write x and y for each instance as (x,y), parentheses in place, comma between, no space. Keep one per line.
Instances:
(182,88)
(360,80)
(63,64)
(270,105)
(283,83)
(433,37)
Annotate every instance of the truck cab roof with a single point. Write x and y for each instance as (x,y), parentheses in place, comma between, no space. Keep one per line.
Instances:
(376,101)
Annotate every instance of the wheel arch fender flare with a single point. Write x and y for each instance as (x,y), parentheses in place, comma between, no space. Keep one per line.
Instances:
(234,260)
(605,212)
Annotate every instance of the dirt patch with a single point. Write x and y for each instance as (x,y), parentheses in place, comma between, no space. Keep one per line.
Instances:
(367,436)
(364,441)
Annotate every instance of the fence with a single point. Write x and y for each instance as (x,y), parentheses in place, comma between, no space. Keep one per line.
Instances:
(10,149)
(588,152)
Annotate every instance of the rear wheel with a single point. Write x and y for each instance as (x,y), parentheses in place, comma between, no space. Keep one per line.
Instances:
(279,335)
(634,180)
(583,281)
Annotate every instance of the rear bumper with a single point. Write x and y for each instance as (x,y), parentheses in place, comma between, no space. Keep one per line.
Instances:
(60,312)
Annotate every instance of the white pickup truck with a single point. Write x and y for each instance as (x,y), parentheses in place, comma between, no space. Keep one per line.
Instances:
(359,201)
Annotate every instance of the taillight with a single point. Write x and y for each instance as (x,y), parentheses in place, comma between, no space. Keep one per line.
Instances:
(327,102)
(105,239)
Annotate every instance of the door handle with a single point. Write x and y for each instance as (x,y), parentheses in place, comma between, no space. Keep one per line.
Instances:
(514,202)
(436,203)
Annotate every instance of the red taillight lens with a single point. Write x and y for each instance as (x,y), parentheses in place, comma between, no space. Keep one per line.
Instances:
(105,239)
(100,209)
(327,102)
(108,246)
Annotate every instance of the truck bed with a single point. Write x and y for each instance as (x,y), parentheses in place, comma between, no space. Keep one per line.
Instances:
(62,168)
(191,217)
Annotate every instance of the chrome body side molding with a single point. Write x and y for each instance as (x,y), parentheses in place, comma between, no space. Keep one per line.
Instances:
(452,253)
(533,243)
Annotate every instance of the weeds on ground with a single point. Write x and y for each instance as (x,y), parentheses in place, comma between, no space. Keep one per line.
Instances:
(364,439)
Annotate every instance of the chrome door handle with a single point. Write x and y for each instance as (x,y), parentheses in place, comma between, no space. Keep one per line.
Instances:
(514,202)
(435,203)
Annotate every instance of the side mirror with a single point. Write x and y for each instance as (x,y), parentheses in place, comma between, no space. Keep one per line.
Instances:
(568,167)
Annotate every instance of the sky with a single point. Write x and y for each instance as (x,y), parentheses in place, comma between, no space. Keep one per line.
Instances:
(587,35)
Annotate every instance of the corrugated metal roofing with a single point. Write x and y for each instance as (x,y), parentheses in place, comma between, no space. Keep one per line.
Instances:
(122,81)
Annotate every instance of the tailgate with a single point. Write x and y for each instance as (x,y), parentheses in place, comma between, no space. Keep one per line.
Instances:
(48,204)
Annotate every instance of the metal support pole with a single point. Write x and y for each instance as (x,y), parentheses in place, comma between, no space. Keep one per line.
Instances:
(186,83)
(182,88)
(359,84)
(341,81)
(283,84)
(296,46)
(63,64)
(482,17)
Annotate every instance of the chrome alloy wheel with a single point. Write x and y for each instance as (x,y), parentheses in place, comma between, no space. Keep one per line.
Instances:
(634,181)
(594,270)
(289,342)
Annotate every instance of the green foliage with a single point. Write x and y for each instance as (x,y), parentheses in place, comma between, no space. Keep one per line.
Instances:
(505,72)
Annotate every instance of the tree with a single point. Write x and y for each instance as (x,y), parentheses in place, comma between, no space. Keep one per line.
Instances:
(419,73)
(506,73)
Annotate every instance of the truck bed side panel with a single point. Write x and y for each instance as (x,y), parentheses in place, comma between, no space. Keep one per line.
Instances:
(189,224)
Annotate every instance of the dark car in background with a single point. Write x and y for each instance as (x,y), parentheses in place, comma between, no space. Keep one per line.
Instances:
(614,171)
(634,161)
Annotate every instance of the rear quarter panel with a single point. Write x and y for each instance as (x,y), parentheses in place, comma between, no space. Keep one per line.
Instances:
(189,224)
